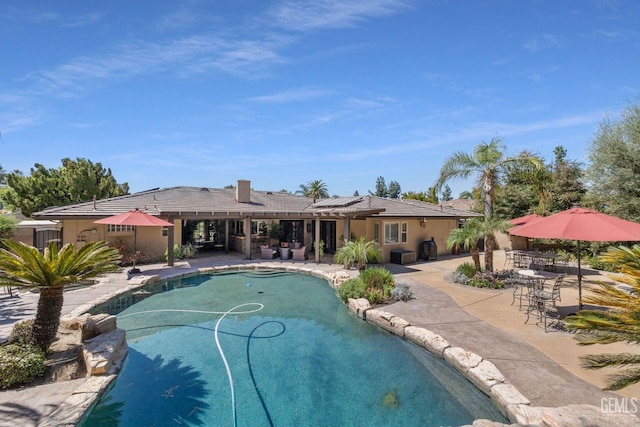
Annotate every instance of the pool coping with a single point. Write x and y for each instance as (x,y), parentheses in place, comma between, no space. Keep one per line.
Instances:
(482,373)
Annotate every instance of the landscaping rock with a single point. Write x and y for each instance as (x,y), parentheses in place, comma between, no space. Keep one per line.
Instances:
(104,354)
(359,306)
(586,415)
(507,399)
(485,376)
(388,321)
(427,339)
(96,325)
(461,359)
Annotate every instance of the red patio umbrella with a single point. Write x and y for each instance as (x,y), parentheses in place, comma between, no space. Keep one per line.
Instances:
(527,219)
(134,218)
(581,225)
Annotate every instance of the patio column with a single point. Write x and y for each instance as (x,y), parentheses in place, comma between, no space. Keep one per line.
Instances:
(346,233)
(170,242)
(317,241)
(247,237)
(226,236)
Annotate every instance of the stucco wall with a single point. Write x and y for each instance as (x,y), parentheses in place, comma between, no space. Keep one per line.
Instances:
(149,241)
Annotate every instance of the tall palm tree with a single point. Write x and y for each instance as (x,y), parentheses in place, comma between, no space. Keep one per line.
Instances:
(467,237)
(24,266)
(359,252)
(620,323)
(488,162)
(488,228)
(316,189)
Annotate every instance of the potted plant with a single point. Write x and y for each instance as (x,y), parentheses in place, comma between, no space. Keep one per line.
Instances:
(358,252)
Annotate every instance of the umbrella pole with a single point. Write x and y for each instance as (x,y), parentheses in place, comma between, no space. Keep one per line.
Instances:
(579,280)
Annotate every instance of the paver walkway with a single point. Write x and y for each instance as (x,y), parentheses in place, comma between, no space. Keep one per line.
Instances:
(437,305)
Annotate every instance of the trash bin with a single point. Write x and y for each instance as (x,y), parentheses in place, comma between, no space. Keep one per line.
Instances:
(428,250)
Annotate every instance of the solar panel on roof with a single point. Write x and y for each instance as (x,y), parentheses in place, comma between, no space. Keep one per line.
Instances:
(337,202)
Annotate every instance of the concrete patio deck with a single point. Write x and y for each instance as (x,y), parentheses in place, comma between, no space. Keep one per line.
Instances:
(545,367)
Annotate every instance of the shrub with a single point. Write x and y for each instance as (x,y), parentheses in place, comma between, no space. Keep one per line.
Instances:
(22,333)
(467,268)
(188,250)
(20,364)
(598,264)
(377,277)
(486,280)
(401,292)
(374,295)
(457,277)
(352,288)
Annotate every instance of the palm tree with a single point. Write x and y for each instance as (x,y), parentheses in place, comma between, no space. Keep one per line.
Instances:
(488,161)
(359,252)
(467,237)
(316,189)
(24,266)
(488,227)
(620,323)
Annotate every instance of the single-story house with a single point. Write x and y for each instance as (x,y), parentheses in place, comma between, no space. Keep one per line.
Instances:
(37,233)
(242,219)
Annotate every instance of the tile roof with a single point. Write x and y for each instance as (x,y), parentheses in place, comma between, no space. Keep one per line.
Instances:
(196,202)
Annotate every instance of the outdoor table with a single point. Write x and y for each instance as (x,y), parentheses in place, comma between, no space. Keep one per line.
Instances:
(537,275)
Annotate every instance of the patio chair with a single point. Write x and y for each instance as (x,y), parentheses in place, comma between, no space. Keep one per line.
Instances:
(299,254)
(508,257)
(553,295)
(523,289)
(543,303)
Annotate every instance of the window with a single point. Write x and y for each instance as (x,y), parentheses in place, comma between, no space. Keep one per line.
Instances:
(165,231)
(376,231)
(391,233)
(395,232)
(114,228)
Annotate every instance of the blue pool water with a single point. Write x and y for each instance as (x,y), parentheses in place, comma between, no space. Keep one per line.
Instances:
(272,348)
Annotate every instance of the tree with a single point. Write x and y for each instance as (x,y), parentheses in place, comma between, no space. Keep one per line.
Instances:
(620,323)
(614,165)
(24,266)
(422,196)
(467,237)
(567,188)
(445,195)
(488,227)
(488,161)
(316,189)
(394,190)
(8,225)
(359,252)
(381,188)
(74,182)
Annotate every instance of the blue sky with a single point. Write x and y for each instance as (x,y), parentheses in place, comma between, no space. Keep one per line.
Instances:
(203,93)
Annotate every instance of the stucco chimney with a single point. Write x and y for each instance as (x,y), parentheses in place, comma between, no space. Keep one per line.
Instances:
(243,191)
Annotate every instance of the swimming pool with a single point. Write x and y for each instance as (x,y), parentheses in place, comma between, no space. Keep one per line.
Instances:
(256,348)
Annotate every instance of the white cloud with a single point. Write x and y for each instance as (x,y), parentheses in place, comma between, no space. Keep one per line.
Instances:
(293,95)
(544,41)
(196,54)
(303,15)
